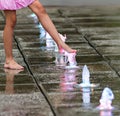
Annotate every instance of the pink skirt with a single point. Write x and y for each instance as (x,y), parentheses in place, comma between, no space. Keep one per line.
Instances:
(14,4)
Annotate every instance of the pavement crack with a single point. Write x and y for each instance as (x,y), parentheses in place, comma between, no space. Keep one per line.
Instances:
(103,57)
(40,87)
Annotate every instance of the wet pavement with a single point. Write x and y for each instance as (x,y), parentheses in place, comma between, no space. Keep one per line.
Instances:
(44,89)
(79,2)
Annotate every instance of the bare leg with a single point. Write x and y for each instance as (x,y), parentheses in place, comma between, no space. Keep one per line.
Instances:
(43,17)
(8,38)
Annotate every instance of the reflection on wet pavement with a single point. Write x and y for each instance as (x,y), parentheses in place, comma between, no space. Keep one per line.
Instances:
(10,74)
(20,96)
(94,32)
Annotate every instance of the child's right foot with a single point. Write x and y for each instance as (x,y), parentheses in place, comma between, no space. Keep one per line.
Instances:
(66,48)
(13,65)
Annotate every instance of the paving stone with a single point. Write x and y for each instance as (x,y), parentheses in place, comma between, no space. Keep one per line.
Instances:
(24,104)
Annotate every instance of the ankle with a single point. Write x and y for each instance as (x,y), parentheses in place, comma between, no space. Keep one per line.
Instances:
(8,60)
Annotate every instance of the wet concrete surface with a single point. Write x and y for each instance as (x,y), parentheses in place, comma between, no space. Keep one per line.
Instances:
(79,2)
(44,89)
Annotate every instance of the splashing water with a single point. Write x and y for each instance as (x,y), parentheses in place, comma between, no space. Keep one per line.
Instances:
(60,60)
(71,58)
(72,63)
(106,99)
(49,41)
(35,18)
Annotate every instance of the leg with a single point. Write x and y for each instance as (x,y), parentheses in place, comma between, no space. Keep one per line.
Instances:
(8,38)
(43,17)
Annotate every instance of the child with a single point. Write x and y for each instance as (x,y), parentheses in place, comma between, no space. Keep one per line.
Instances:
(10,7)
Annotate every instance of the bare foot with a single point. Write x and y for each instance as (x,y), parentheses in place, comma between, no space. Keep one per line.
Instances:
(13,65)
(66,48)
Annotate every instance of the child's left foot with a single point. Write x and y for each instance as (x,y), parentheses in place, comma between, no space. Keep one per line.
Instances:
(13,65)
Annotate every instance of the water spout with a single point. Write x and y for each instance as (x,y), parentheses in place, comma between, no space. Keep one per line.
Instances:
(86,79)
(106,99)
(86,76)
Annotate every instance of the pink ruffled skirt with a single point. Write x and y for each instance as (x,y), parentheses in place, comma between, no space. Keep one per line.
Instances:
(14,4)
